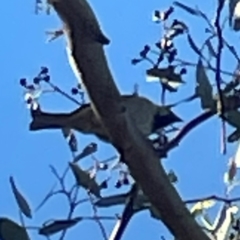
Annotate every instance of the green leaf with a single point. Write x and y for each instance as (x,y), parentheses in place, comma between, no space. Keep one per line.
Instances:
(204,88)
(58,225)
(10,230)
(186,8)
(21,201)
(84,180)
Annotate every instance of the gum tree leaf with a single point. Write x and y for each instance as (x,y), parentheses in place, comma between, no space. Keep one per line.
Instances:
(73,144)
(84,180)
(141,202)
(211,50)
(237,156)
(186,8)
(57,226)
(66,132)
(170,80)
(204,88)
(198,208)
(232,10)
(112,200)
(224,220)
(234,136)
(232,118)
(10,230)
(21,201)
(88,150)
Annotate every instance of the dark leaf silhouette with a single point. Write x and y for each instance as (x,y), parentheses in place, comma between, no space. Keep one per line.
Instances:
(233,118)
(211,50)
(145,51)
(236,24)
(10,230)
(170,80)
(88,150)
(21,201)
(186,8)
(84,180)
(57,226)
(136,61)
(112,200)
(73,143)
(66,132)
(204,88)
(231,8)
(233,137)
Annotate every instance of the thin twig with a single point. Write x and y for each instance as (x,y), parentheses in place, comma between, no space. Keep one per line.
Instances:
(57,89)
(218,68)
(96,218)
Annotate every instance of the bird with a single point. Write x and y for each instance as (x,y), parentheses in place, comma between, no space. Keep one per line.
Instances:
(147,116)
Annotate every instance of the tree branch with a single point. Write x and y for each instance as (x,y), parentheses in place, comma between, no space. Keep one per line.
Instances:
(83,33)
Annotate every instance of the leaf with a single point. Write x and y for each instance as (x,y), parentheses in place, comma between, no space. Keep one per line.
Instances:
(84,180)
(233,137)
(232,6)
(193,45)
(204,88)
(10,230)
(211,50)
(229,176)
(198,208)
(112,200)
(73,145)
(141,202)
(58,225)
(145,51)
(224,221)
(21,201)
(167,77)
(232,118)
(186,8)
(236,24)
(237,156)
(88,150)
(66,132)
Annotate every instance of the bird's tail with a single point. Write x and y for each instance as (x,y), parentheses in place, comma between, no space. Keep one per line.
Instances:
(42,120)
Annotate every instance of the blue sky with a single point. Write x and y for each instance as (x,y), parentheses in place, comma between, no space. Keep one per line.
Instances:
(27,155)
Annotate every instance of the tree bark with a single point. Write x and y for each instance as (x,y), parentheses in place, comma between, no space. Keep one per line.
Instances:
(86,40)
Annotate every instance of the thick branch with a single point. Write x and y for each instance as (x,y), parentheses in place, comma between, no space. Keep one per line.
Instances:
(81,28)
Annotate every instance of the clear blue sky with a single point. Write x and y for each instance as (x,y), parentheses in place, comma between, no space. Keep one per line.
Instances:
(27,155)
